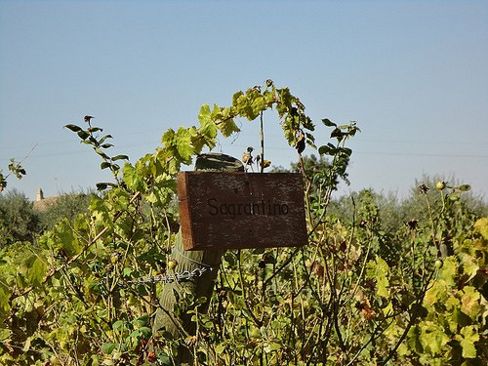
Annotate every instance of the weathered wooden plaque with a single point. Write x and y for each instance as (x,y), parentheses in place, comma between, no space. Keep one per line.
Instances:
(241,210)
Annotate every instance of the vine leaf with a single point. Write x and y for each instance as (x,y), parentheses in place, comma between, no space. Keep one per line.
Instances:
(36,269)
(4,300)
(467,338)
(432,337)
(183,143)
(107,348)
(481,226)
(470,302)
(228,127)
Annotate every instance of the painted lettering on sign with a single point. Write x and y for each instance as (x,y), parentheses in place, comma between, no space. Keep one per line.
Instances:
(265,208)
(241,210)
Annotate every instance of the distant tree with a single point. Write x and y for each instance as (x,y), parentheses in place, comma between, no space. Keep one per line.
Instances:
(18,221)
(396,213)
(312,165)
(66,206)
(430,186)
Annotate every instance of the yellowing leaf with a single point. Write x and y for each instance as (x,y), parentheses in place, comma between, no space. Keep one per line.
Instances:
(468,337)
(228,127)
(470,302)
(168,138)
(258,105)
(448,271)
(481,226)
(452,303)
(432,337)
(378,270)
(470,266)
(437,292)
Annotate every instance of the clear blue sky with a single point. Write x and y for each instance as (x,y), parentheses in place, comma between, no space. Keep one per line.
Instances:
(414,74)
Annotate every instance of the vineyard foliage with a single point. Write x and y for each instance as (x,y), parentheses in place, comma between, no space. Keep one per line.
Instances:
(363,292)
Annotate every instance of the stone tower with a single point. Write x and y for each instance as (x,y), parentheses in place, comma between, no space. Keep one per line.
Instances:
(39,195)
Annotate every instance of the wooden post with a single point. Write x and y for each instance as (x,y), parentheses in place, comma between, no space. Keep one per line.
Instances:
(179,325)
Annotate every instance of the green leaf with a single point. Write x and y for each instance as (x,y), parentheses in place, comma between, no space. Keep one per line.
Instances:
(204,114)
(105,165)
(4,300)
(468,337)
(379,270)
(183,143)
(258,105)
(164,360)
(168,138)
(120,157)
(83,134)
(104,138)
(66,238)
(119,324)
(436,293)
(328,122)
(272,346)
(327,150)
(73,128)
(93,141)
(146,332)
(106,146)
(142,321)
(413,339)
(5,334)
(27,344)
(310,137)
(228,127)
(432,337)
(101,153)
(127,272)
(235,98)
(345,150)
(208,129)
(133,180)
(94,129)
(36,269)
(198,140)
(107,348)
(337,133)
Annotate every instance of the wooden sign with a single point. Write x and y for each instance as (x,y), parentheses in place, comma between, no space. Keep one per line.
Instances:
(241,210)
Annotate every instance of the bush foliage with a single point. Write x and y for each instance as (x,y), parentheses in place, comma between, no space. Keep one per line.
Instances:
(18,221)
(377,284)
